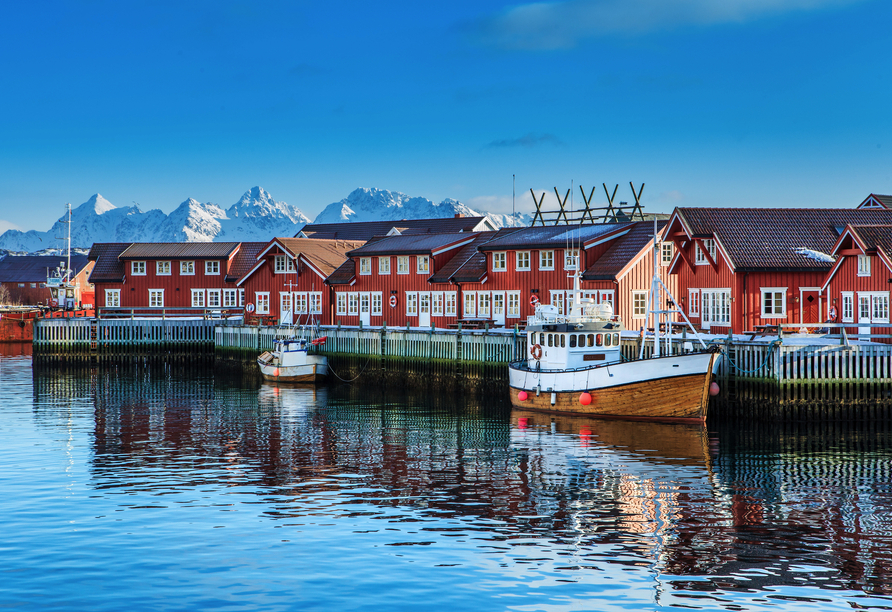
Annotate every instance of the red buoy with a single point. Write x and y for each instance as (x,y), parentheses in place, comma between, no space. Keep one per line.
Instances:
(522,396)
(522,422)
(714,389)
(586,398)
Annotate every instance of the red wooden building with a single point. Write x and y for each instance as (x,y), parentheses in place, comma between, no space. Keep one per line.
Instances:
(857,286)
(739,268)
(24,280)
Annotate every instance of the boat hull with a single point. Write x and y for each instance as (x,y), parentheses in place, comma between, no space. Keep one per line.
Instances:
(314,371)
(663,389)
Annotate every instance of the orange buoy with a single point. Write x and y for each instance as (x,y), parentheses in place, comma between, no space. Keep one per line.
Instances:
(585,398)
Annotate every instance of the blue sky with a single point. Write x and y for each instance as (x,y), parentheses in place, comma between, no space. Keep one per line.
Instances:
(707,102)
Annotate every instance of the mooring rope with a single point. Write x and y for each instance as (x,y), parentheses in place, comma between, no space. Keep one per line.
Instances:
(330,369)
(756,369)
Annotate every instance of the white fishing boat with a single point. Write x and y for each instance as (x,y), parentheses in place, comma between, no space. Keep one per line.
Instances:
(294,360)
(575,364)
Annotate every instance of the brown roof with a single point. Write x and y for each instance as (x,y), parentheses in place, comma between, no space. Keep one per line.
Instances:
(623,251)
(326,255)
(412,244)
(179,250)
(363,230)
(35,268)
(108,267)
(244,260)
(770,238)
(877,237)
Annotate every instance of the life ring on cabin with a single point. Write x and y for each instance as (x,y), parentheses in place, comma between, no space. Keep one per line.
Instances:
(832,314)
(393,301)
(536,352)
(534,301)
(249,307)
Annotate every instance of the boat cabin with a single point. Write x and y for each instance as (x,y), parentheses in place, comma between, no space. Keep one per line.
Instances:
(591,338)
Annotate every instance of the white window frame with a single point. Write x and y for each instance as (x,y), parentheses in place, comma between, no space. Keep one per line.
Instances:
(212,268)
(301,303)
(187,268)
(422,264)
(353,304)
(198,300)
(522,261)
(112,298)
(283,264)
(639,305)
(262,298)
(411,303)
(138,268)
(699,258)
(342,303)
(557,298)
(230,298)
(484,303)
(571,259)
(365,266)
(513,309)
(667,250)
(241,298)
(437,304)
(694,303)
(162,268)
(863,265)
(499,261)
(402,264)
(214,298)
(848,307)
(315,302)
(156,298)
(546,260)
(383,265)
(377,304)
(469,304)
(715,307)
(450,299)
(878,306)
(774,292)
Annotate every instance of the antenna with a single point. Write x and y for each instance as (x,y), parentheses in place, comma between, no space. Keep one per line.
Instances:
(513,187)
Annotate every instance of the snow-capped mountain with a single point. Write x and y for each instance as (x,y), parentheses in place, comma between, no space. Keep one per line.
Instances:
(369,204)
(255,217)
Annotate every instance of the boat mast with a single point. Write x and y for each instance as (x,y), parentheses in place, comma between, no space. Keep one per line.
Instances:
(68,265)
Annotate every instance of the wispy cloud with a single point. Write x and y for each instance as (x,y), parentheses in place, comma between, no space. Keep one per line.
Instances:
(6,225)
(528,140)
(563,24)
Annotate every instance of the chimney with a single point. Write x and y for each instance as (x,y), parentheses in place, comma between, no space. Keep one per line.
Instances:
(459,215)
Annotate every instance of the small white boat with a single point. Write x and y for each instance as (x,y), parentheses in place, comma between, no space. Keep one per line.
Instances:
(575,366)
(293,360)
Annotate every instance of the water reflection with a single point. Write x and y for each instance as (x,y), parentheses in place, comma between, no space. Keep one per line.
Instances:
(702,518)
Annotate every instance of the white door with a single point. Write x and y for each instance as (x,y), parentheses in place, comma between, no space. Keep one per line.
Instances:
(498,308)
(286,309)
(424,309)
(864,313)
(365,309)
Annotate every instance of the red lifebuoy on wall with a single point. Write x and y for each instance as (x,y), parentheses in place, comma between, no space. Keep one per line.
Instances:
(534,300)
(536,352)
(832,314)
(249,307)
(393,301)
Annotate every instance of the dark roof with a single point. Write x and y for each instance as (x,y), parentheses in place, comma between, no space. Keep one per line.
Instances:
(883,200)
(179,250)
(108,267)
(412,244)
(343,275)
(623,251)
(769,238)
(244,260)
(326,255)
(363,230)
(468,265)
(33,268)
(877,237)
(549,236)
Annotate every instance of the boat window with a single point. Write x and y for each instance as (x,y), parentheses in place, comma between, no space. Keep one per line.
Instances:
(598,340)
(607,339)
(572,340)
(549,339)
(591,339)
(563,340)
(542,338)
(616,339)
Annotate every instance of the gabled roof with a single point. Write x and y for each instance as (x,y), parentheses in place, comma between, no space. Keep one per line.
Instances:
(468,265)
(625,251)
(33,268)
(773,238)
(551,236)
(108,268)
(413,244)
(179,250)
(876,201)
(322,256)
(874,237)
(364,230)
(244,260)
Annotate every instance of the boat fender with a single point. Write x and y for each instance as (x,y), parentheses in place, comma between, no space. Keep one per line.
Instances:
(534,300)
(319,340)
(522,396)
(536,352)
(714,389)
(249,307)
(393,301)
(585,398)
(22,323)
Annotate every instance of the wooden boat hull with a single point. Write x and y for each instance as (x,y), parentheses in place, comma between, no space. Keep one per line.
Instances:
(663,389)
(312,369)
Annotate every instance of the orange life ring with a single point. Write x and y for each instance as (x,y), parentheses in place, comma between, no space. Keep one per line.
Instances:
(832,313)
(249,307)
(534,300)
(536,352)
(393,301)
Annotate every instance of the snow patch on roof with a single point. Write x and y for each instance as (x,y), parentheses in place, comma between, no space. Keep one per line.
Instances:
(816,255)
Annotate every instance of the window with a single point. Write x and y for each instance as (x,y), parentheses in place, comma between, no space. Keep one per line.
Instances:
(241,298)
(546,260)
(342,303)
(879,307)
(451,299)
(156,298)
(315,302)
(262,302)
(301,305)
(402,264)
(514,304)
(699,257)
(498,261)
(557,299)
(470,304)
(694,304)
(411,304)
(213,298)
(285,310)
(384,265)
(198,298)
(212,268)
(353,304)
(113,298)
(423,264)
(571,258)
(376,302)
(162,268)
(666,252)
(639,304)
(187,268)
(283,264)
(365,265)
(523,260)
(138,268)
(848,306)
(230,298)
(437,303)
(483,304)
(716,307)
(34,285)
(863,265)
(774,302)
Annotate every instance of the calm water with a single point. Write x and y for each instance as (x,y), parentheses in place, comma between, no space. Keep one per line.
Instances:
(156,489)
